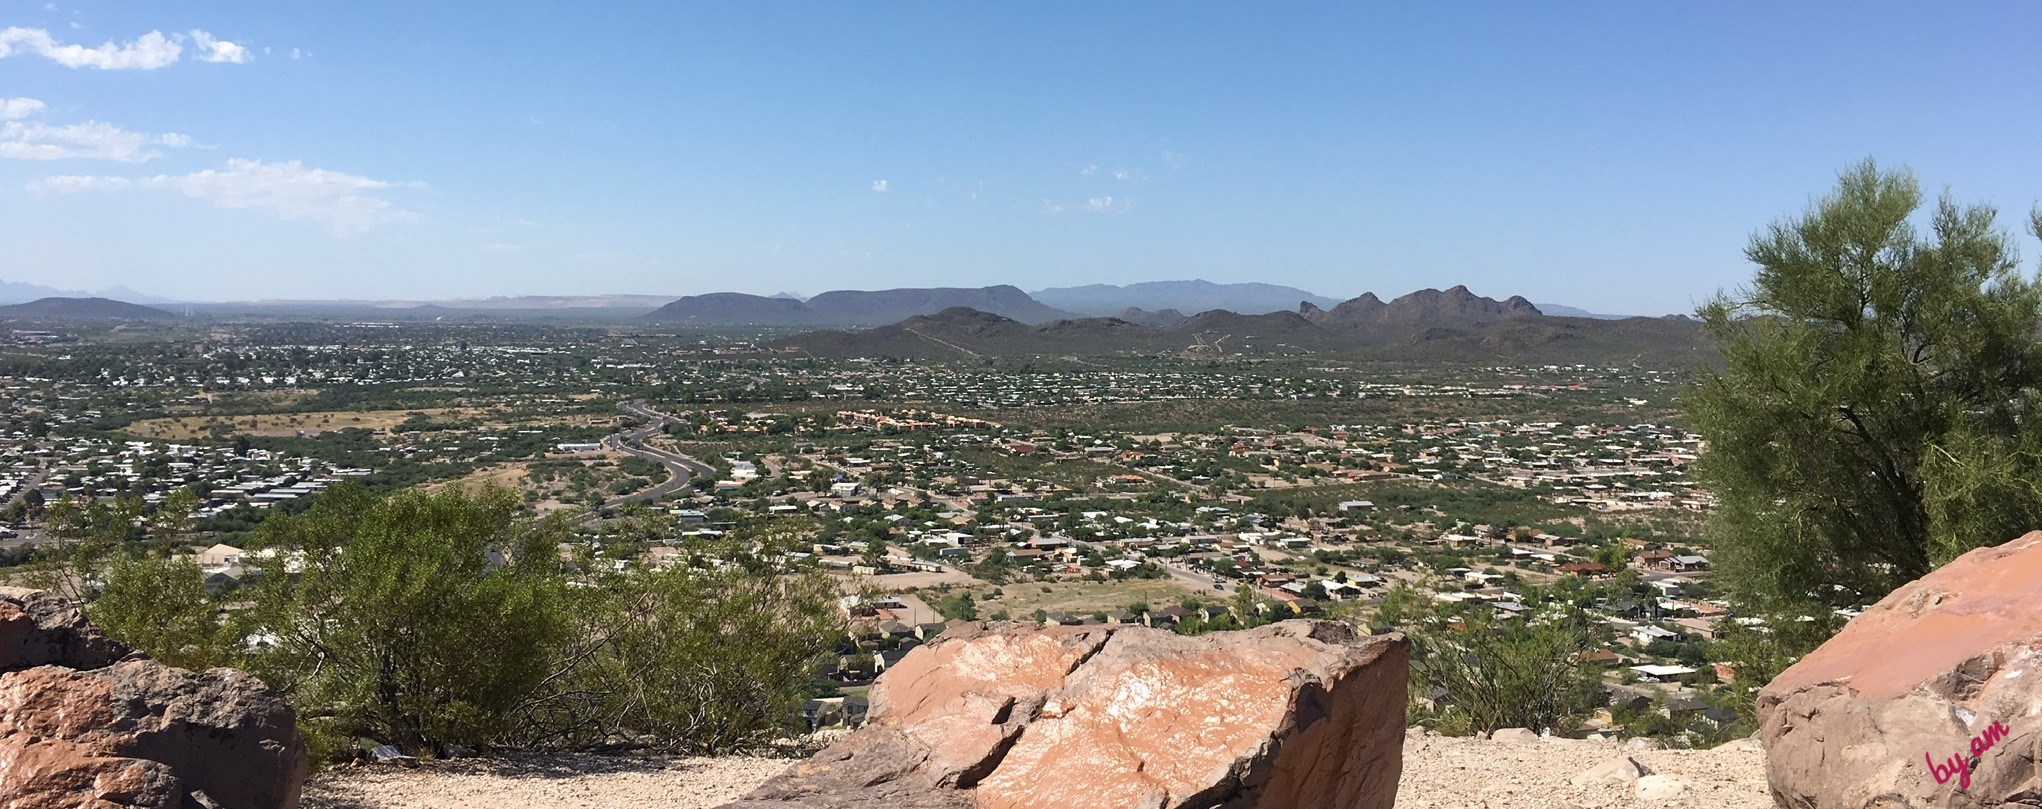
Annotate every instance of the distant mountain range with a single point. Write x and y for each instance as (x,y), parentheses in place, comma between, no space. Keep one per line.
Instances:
(19,292)
(852,307)
(63,308)
(1427,325)
(1183,296)
(1159,304)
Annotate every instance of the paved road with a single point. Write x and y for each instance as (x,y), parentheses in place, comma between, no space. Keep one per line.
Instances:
(1195,579)
(680,468)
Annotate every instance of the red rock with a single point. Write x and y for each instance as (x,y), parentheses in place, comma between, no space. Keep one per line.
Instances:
(136,733)
(1910,683)
(38,628)
(1296,715)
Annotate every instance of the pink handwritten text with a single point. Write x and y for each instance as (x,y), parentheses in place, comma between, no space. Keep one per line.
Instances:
(1959,765)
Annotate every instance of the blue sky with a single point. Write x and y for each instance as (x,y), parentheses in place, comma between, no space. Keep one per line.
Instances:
(1614,156)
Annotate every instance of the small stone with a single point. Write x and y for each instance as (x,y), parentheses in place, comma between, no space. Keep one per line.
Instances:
(1619,770)
(1658,788)
(1514,736)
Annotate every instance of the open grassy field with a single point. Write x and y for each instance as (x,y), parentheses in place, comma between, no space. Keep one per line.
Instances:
(1078,597)
(512,476)
(189,428)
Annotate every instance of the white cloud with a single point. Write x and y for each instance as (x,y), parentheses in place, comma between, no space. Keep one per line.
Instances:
(1176,159)
(1088,171)
(152,50)
(879,186)
(15,109)
(148,52)
(92,140)
(1094,205)
(1108,205)
(350,203)
(1128,174)
(219,50)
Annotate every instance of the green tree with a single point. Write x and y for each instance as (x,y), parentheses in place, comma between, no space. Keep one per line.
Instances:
(1874,414)
(1506,674)
(140,596)
(710,661)
(159,605)
(702,658)
(422,620)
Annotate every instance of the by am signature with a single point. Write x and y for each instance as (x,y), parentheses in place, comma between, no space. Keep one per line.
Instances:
(1959,765)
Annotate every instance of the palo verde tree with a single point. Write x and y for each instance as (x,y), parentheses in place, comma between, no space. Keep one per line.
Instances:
(1879,409)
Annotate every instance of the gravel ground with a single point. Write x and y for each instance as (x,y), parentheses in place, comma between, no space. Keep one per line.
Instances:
(1439,773)
(1449,773)
(549,782)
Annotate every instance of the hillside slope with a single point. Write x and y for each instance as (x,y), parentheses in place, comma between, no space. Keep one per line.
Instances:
(1183,296)
(847,307)
(81,309)
(961,333)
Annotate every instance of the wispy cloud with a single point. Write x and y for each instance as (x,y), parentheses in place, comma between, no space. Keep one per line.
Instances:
(1090,171)
(351,204)
(1108,205)
(879,186)
(15,109)
(1176,159)
(33,140)
(1100,205)
(149,51)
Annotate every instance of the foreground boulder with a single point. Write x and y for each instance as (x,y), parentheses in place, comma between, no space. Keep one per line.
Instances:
(1295,715)
(1927,699)
(78,729)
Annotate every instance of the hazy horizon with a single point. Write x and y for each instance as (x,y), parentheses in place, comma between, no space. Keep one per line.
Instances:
(1612,158)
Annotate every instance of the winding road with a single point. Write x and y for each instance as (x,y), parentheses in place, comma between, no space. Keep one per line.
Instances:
(680,468)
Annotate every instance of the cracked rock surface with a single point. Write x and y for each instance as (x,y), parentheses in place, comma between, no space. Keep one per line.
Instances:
(86,723)
(1861,721)
(1294,715)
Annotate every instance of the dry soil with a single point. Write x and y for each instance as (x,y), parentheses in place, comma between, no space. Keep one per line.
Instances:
(1439,773)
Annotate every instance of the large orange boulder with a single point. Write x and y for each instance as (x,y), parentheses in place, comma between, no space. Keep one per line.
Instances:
(1932,697)
(78,729)
(1295,715)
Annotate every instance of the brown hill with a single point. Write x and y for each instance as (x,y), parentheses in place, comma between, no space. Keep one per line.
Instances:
(1455,307)
(1449,326)
(1643,341)
(1162,319)
(735,308)
(81,309)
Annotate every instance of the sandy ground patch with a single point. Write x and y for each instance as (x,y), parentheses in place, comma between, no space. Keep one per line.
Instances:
(510,476)
(532,782)
(1439,773)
